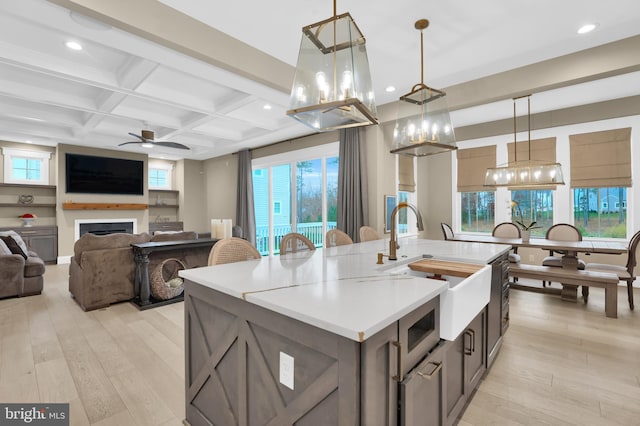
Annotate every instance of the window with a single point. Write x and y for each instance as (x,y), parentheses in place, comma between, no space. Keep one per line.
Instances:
(597,212)
(533,205)
(302,189)
(26,167)
(160,175)
(477,211)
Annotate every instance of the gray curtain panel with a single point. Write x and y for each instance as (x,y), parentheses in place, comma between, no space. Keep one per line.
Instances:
(353,199)
(245,214)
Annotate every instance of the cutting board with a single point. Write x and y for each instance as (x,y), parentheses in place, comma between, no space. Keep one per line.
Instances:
(444,267)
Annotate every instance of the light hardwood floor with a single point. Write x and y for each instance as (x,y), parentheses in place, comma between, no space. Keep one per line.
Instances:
(561,363)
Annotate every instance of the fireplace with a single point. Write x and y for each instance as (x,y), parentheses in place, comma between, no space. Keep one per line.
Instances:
(104,226)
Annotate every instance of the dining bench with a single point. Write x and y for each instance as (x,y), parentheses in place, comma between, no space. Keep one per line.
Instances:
(607,280)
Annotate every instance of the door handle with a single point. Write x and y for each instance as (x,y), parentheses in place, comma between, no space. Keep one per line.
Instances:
(398,377)
(467,350)
(473,339)
(433,373)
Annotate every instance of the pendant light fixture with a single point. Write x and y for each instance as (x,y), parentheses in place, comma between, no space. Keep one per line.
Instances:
(524,173)
(332,87)
(426,129)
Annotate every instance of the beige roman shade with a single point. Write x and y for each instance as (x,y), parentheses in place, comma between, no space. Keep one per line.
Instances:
(472,166)
(542,150)
(601,159)
(406,178)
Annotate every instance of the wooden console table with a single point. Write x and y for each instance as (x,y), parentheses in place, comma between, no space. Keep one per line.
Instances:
(141,252)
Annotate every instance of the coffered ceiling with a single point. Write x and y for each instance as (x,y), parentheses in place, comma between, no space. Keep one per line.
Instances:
(122,82)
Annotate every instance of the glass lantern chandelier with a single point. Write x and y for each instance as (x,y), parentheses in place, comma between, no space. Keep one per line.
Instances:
(332,87)
(427,129)
(524,173)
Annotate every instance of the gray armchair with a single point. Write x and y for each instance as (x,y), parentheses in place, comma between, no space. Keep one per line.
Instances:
(20,274)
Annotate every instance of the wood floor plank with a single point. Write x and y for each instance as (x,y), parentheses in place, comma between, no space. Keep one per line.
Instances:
(77,414)
(490,409)
(99,397)
(161,345)
(154,369)
(55,383)
(119,419)
(144,405)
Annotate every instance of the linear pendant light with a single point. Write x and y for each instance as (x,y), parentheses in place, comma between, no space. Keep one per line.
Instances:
(524,173)
(332,87)
(426,129)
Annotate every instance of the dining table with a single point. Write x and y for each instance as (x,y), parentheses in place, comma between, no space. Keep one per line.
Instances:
(569,250)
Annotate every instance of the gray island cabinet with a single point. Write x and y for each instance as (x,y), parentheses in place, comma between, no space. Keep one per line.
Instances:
(330,338)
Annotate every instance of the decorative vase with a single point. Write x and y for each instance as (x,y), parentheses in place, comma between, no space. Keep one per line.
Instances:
(525,235)
(27,221)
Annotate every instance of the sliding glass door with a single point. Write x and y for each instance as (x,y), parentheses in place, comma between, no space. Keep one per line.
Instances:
(295,193)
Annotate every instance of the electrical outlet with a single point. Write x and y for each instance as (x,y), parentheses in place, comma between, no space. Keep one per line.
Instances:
(531,258)
(286,370)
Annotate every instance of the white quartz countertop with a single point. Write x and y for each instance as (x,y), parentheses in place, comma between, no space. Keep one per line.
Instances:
(341,289)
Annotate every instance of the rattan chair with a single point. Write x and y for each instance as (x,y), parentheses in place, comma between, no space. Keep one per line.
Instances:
(294,242)
(625,273)
(336,237)
(233,249)
(367,233)
(561,232)
(446,231)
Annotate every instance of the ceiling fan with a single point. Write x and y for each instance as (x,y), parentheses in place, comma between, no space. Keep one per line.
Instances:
(147,141)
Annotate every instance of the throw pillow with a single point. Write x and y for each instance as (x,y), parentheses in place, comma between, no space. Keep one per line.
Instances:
(17,238)
(174,283)
(4,249)
(13,246)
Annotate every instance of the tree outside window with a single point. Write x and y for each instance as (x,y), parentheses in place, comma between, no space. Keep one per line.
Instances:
(600,212)
(533,205)
(477,211)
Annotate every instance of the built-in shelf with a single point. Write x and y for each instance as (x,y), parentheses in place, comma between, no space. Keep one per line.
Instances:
(21,185)
(167,191)
(26,206)
(104,206)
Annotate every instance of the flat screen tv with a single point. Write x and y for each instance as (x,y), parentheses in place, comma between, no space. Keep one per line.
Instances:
(88,174)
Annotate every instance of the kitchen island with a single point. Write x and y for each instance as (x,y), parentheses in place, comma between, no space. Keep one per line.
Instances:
(329,337)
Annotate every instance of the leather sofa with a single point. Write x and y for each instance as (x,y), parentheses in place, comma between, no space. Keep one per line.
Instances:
(19,276)
(102,269)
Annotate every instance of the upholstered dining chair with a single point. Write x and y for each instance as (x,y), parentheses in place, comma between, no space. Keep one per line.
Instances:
(367,233)
(233,249)
(294,242)
(336,237)
(446,231)
(625,273)
(561,232)
(508,230)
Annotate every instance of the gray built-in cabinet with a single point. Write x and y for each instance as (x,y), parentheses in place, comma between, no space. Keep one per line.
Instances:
(233,357)
(41,239)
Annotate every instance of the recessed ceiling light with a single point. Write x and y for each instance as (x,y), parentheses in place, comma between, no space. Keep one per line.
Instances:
(29,141)
(389,89)
(267,107)
(147,145)
(587,28)
(73,45)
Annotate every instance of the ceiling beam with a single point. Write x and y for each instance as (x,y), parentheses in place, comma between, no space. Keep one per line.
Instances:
(159,23)
(607,60)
